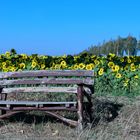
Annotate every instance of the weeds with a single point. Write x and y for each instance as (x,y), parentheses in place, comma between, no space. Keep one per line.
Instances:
(37,126)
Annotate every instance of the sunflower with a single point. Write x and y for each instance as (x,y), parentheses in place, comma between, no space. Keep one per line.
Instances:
(57,66)
(13,69)
(75,66)
(4,67)
(122,59)
(7,54)
(127,80)
(132,65)
(43,66)
(125,84)
(89,67)
(34,64)
(111,54)
(63,64)
(5,70)
(101,71)
(22,65)
(111,64)
(81,66)
(136,76)
(24,56)
(126,67)
(96,62)
(117,68)
(129,60)
(133,68)
(118,75)
(113,69)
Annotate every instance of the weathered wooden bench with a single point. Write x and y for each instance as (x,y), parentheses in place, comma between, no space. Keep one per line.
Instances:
(76,82)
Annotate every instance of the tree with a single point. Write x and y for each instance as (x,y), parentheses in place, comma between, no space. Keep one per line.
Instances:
(128,44)
(131,44)
(13,51)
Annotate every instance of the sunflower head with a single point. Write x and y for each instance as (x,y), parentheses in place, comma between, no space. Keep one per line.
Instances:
(118,75)
(89,67)
(34,64)
(81,66)
(111,64)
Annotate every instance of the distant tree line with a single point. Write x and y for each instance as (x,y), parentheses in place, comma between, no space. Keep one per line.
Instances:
(129,44)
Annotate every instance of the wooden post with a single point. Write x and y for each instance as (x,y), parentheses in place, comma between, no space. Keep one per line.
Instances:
(89,109)
(3,97)
(80,107)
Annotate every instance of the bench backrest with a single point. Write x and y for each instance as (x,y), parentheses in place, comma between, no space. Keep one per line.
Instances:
(45,80)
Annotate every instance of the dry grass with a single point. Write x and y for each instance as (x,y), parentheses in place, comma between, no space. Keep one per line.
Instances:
(126,125)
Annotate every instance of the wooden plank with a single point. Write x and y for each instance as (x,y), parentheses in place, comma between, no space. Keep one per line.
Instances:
(80,94)
(34,103)
(3,96)
(47,73)
(27,108)
(47,81)
(9,114)
(40,90)
(68,121)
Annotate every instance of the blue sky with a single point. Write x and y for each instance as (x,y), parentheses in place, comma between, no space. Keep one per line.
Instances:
(57,27)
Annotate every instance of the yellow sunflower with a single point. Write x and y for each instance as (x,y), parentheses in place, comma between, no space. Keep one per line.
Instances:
(3,63)
(101,71)
(128,60)
(125,84)
(117,68)
(22,65)
(57,66)
(89,67)
(34,64)
(133,68)
(136,76)
(111,64)
(118,75)
(96,62)
(81,66)
(113,68)
(75,67)
(43,66)
(7,54)
(122,59)
(63,64)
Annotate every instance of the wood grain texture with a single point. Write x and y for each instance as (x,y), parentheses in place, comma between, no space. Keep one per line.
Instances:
(34,103)
(27,108)
(40,90)
(38,73)
(80,94)
(46,81)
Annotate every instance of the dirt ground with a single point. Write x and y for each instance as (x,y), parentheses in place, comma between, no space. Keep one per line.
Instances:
(113,119)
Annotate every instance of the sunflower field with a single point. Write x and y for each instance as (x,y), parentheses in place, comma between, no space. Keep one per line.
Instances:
(112,73)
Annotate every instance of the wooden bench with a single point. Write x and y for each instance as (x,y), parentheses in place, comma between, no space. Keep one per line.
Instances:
(46,81)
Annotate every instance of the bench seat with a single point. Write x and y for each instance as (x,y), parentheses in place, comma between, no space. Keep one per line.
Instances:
(35,103)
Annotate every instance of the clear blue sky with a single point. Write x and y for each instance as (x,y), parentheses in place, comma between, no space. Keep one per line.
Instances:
(57,27)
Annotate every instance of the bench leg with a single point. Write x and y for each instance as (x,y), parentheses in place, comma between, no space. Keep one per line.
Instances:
(3,96)
(89,109)
(80,107)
